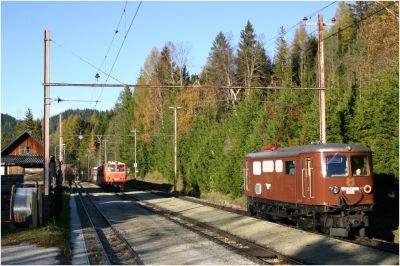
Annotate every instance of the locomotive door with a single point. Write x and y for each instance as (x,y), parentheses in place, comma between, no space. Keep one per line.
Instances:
(306,179)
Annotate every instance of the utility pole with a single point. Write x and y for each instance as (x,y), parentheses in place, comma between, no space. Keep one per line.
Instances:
(321,73)
(46,121)
(60,157)
(135,164)
(105,150)
(175,144)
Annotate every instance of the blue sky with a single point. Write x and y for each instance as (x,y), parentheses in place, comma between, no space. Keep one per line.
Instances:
(86,28)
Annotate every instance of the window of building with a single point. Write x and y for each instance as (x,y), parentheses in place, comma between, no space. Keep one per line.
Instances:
(268,166)
(26,150)
(256,168)
(290,167)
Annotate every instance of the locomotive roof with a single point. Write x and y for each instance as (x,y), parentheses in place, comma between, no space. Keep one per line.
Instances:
(293,151)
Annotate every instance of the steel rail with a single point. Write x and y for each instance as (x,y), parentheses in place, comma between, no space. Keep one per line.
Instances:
(367,242)
(117,233)
(92,224)
(250,250)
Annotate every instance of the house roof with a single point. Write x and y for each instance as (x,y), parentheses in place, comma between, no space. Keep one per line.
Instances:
(13,145)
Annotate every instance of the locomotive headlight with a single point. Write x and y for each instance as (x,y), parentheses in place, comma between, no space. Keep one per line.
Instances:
(334,189)
(367,189)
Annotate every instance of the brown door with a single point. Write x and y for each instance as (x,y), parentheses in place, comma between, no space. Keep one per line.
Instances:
(247,179)
(306,179)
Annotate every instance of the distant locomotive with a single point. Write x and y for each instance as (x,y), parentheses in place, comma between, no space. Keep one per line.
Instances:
(112,174)
(325,187)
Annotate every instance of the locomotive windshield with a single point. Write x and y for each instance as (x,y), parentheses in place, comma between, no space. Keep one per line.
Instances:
(338,165)
(359,165)
(121,168)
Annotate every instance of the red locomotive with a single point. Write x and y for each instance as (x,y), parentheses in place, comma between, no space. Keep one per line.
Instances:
(112,174)
(326,187)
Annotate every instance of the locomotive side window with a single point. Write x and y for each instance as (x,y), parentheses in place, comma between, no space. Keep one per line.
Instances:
(290,167)
(258,188)
(268,166)
(359,165)
(256,168)
(337,165)
(278,166)
(308,167)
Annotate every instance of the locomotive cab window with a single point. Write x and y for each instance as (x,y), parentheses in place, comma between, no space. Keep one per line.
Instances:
(336,165)
(359,165)
(111,168)
(290,167)
(121,168)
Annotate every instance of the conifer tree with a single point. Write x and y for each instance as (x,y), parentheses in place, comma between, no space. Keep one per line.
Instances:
(252,62)
(281,70)
(220,71)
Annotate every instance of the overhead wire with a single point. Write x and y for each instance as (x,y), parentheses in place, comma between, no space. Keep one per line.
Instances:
(359,21)
(298,23)
(85,61)
(120,48)
(350,25)
(116,30)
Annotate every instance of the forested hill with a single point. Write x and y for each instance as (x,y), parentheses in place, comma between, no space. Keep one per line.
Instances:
(8,125)
(84,114)
(12,128)
(217,127)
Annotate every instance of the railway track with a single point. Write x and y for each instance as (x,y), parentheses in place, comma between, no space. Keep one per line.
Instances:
(372,243)
(104,243)
(252,251)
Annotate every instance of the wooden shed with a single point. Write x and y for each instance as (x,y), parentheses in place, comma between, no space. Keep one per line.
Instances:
(25,152)
(21,161)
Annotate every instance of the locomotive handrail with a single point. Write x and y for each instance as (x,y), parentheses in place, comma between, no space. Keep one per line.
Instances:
(302,182)
(310,182)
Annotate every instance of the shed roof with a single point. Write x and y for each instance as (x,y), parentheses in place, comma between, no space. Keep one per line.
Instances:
(22,160)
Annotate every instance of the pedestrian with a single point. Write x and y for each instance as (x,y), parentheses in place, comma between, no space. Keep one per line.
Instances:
(70,177)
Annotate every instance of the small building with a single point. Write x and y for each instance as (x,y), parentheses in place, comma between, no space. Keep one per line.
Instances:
(25,153)
(21,163)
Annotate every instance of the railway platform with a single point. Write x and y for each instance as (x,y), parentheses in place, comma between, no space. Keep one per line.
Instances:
(30,255)
(78,248)
(35,255)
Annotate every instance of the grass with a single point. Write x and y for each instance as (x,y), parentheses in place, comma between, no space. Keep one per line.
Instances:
(55,233)
(211,196)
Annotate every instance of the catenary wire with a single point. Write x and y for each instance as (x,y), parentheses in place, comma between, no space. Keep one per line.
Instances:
(85,61)
(298,23)
(358,22)
(115,33)
(120,48)
(116,30)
